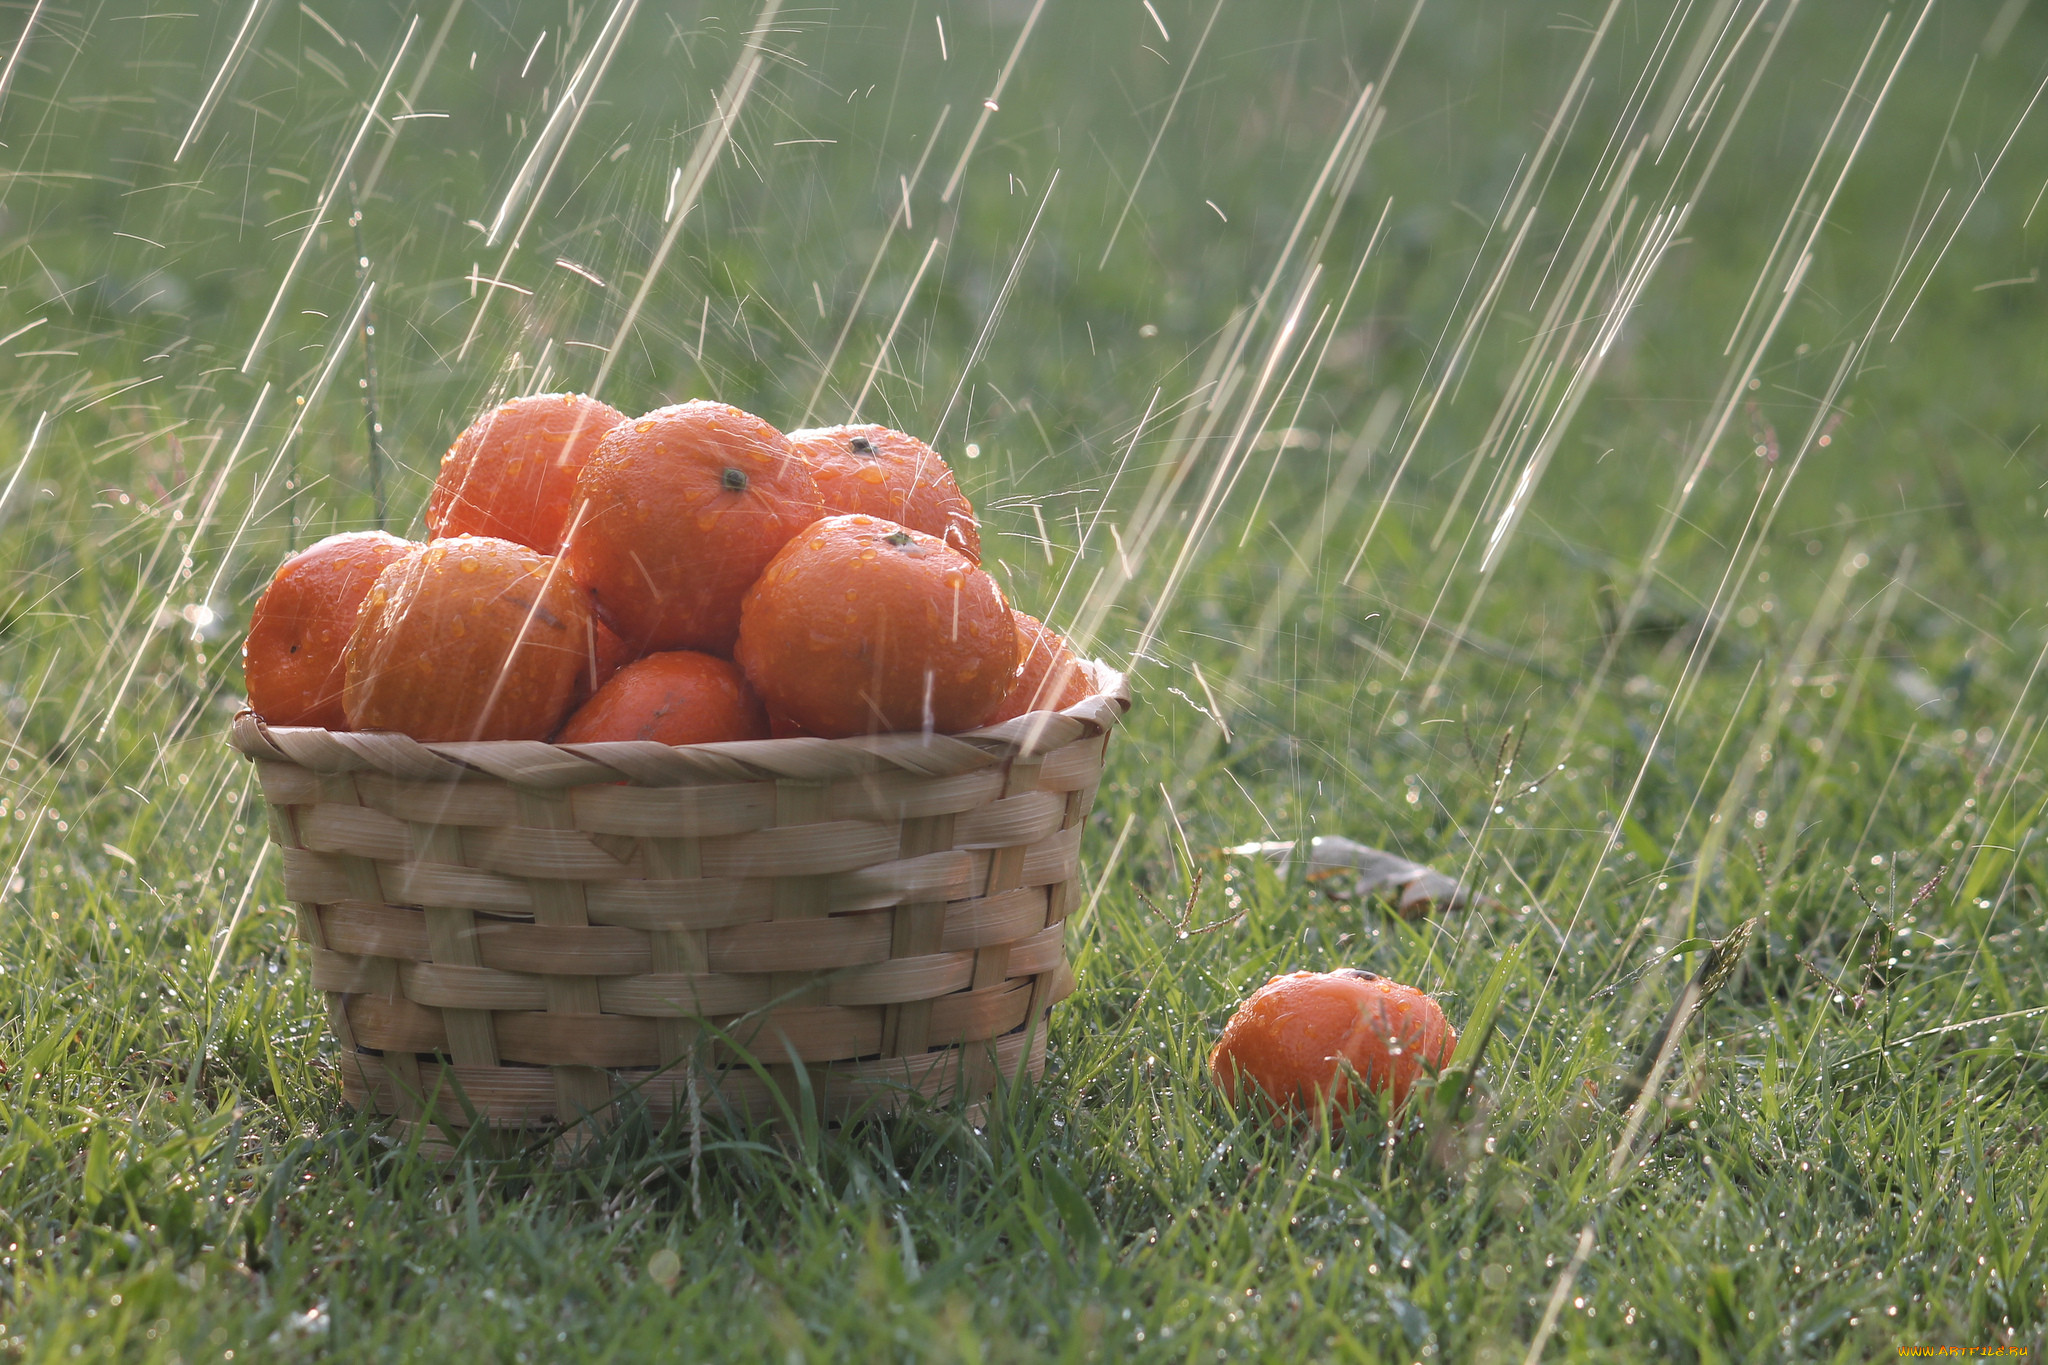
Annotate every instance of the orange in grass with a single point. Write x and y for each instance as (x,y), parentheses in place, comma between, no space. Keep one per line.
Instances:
(1048,676)
(681,510)
(512,474)
(1306,1041)
(681,697)
(886,473)
(299,630)
(861,626)
(467,638)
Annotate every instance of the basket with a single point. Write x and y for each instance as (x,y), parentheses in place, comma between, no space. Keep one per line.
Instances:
(523,935)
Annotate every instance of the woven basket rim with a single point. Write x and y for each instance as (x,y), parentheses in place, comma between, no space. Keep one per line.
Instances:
(648,763)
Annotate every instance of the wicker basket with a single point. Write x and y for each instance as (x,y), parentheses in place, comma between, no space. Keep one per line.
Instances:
(521,935)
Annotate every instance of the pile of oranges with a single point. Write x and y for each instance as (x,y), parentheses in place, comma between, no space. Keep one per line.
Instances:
(689,576)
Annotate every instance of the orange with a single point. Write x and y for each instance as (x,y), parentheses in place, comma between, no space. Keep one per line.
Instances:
(292,660)
(681,510)
(885,473)
(1048,676)
(861,626)
(513,472)
(467,638)
(604,654)
(677,698)
(1290,1042)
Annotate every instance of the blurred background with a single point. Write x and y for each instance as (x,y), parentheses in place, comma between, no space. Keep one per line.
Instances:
(1470,346)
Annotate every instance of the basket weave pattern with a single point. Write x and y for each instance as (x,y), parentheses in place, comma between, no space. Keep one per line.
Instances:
(519,933)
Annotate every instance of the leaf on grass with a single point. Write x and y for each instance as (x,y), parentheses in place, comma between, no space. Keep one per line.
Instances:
(1346,868)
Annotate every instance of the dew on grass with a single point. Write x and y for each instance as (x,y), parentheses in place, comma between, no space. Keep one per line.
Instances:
(1528,358)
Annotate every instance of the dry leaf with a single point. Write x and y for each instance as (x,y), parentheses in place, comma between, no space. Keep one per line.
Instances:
(1345,868)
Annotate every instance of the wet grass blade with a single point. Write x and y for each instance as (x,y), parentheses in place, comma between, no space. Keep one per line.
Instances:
(1455,1081)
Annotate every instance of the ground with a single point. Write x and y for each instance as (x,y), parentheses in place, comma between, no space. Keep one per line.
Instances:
(1596,453)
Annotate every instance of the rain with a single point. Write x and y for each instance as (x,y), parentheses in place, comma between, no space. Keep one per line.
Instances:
(1590,454)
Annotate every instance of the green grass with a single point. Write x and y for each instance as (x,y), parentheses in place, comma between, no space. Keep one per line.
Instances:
(1829,674)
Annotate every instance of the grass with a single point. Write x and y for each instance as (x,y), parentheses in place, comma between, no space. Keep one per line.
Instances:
(1807,676)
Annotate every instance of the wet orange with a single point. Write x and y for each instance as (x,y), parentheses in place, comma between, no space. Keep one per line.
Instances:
(1292,1042)
(512,474)
(1048,676)
(862,626)
(886,473)
(680,697)
(292,660)
(604,654)
(467,638)
(681,511)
